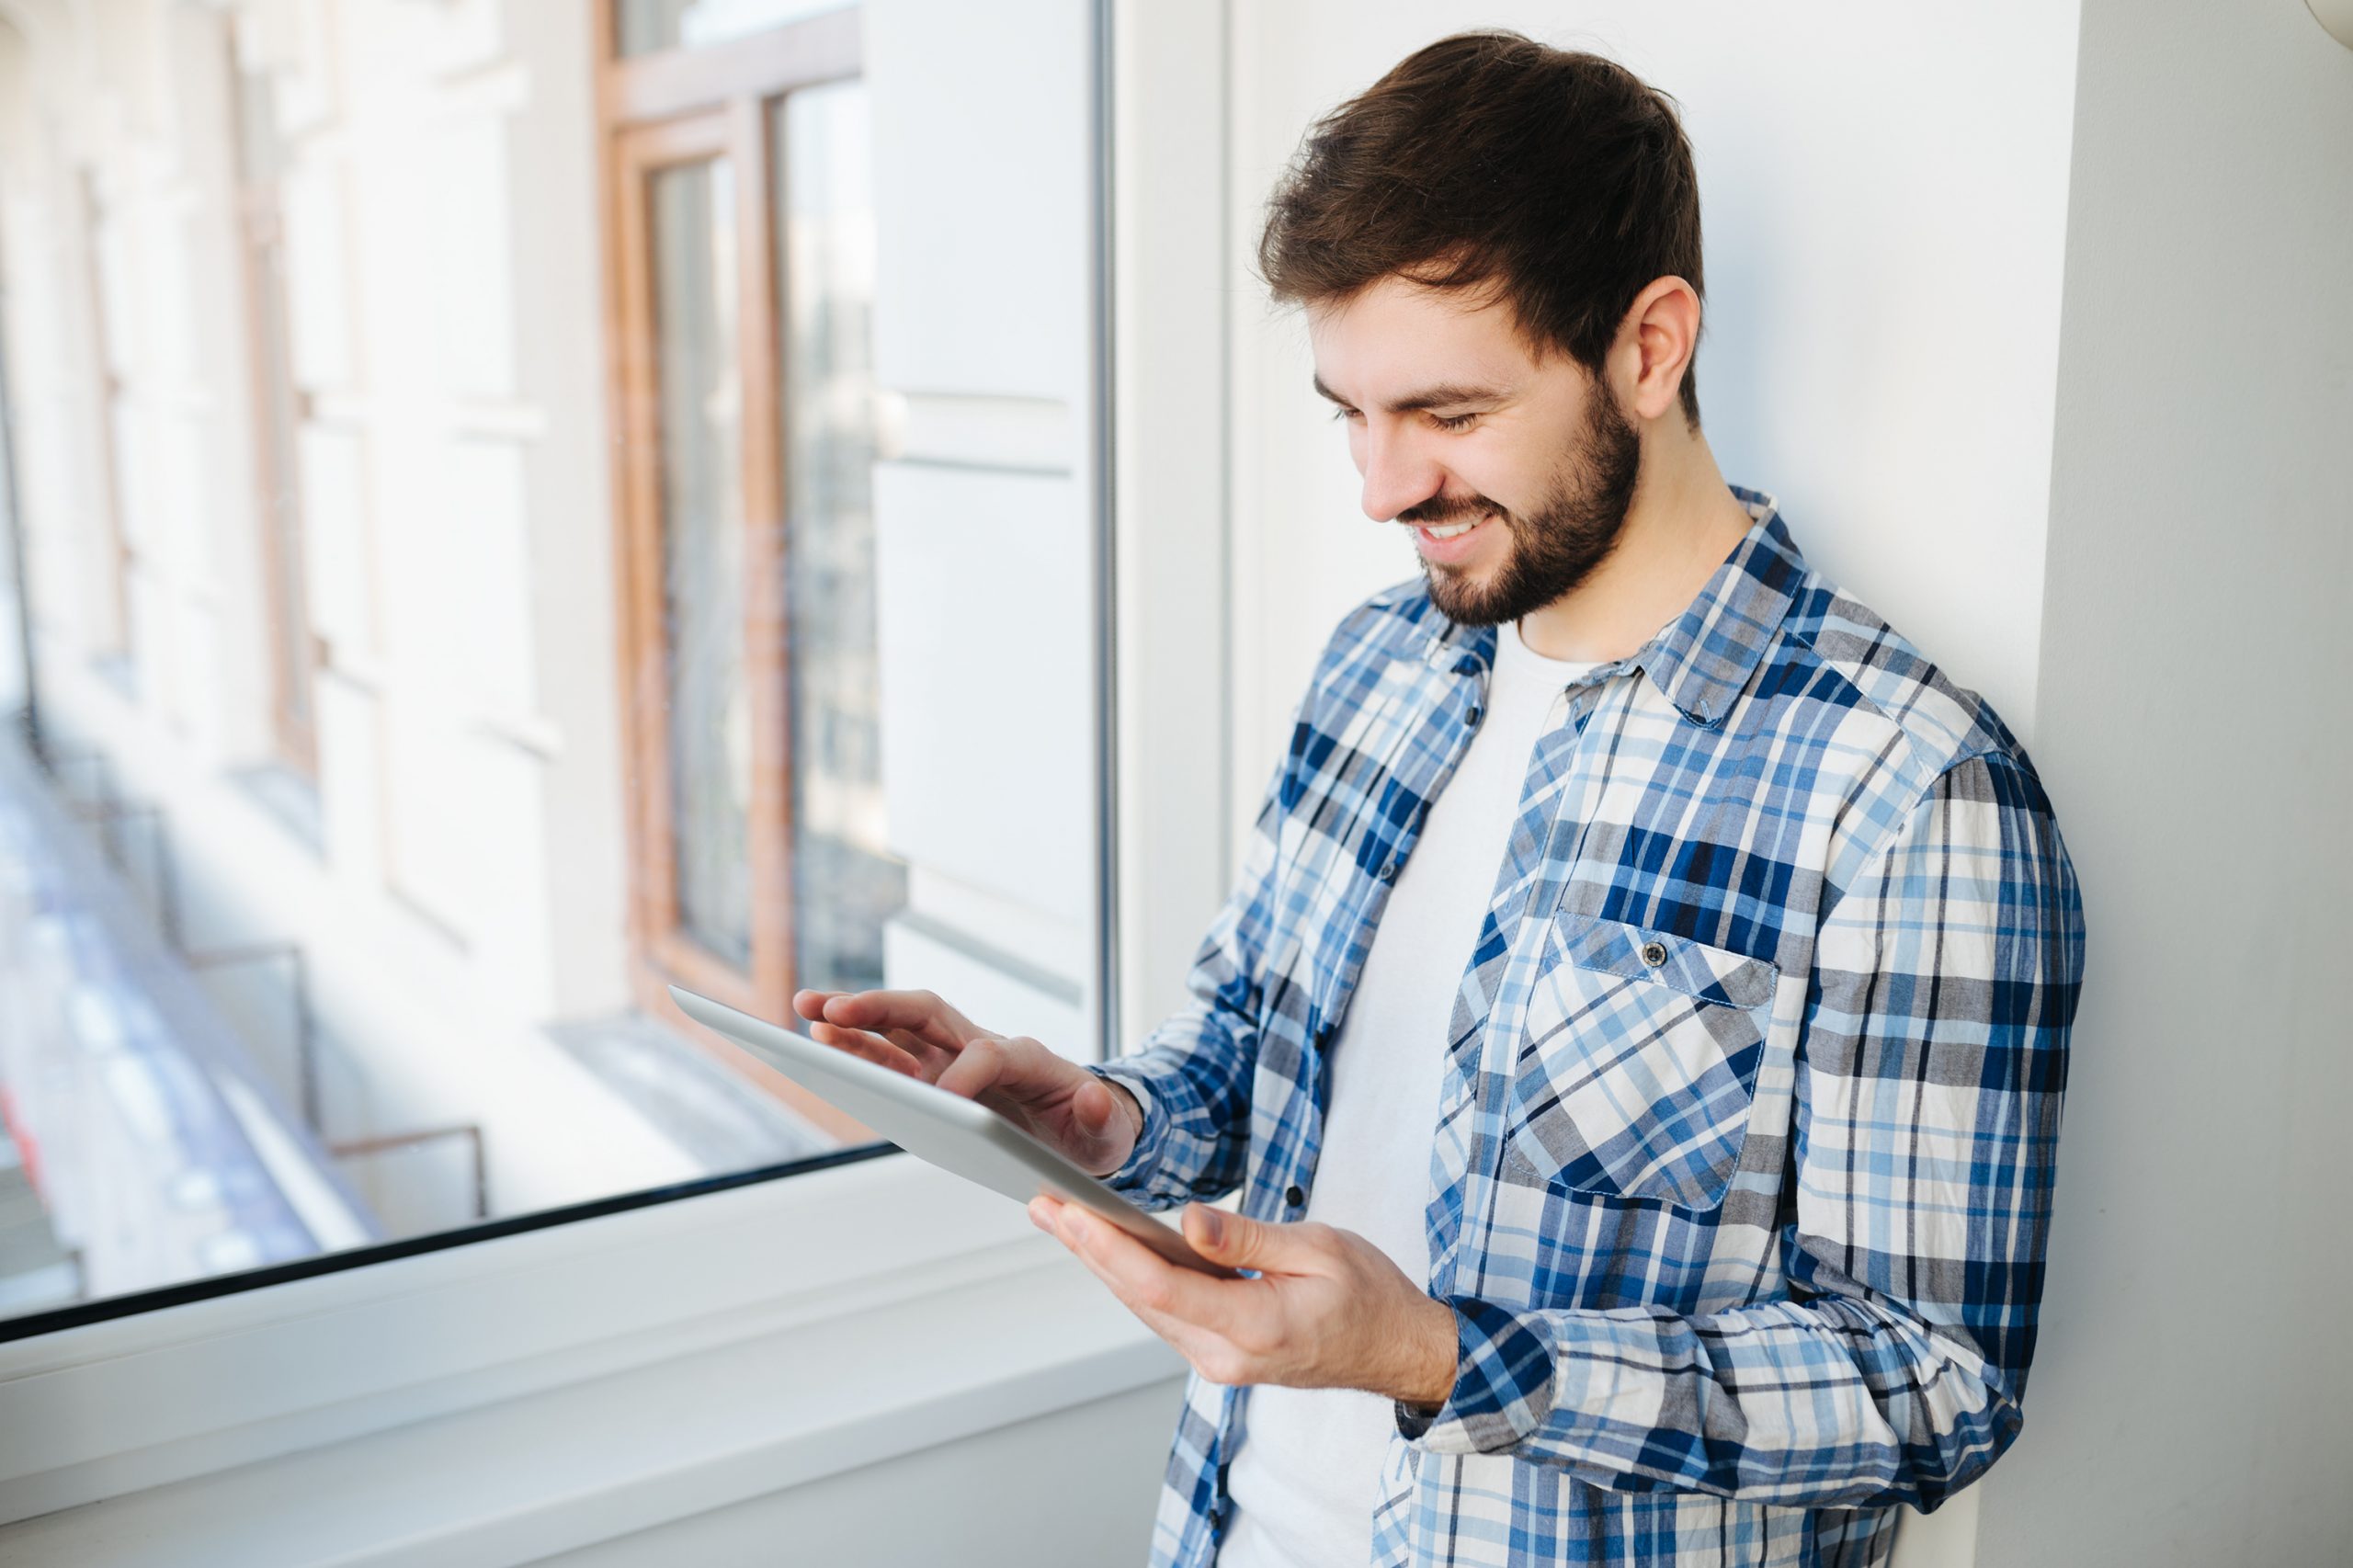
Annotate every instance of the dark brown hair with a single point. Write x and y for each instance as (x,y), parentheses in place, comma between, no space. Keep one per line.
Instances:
(1560,181)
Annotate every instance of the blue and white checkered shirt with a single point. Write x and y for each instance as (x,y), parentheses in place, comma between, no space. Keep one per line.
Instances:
(1746,1135)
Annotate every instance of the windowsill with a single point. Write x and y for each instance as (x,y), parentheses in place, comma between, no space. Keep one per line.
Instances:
(286,799)
(590,1460)
(835,1283)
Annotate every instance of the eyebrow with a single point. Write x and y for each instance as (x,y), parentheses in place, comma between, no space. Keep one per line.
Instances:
(1442,396)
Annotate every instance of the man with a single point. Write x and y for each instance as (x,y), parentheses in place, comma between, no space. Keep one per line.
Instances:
(1639,1031)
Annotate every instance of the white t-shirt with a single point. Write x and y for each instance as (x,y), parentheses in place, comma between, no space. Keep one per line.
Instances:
(1305,1479)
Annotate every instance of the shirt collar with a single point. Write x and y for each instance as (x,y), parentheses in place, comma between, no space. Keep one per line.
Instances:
(1701,660)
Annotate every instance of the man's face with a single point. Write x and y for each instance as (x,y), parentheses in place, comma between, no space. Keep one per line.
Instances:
(1455,426)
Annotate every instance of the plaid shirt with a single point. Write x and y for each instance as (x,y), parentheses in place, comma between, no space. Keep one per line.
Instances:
(1750,1104)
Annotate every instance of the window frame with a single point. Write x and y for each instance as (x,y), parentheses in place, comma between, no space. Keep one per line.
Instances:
(657,112)
(664,949)
(154,1397)
(260,242)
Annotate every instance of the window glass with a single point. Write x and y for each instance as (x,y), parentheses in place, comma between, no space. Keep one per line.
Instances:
(531,610)
(846,881)
(709,718)
(647,27)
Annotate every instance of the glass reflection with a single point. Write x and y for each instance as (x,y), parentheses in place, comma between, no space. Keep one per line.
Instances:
(710,719)
(648,27)
(846,881)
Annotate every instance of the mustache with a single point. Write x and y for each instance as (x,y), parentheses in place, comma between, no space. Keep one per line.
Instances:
(1440,510)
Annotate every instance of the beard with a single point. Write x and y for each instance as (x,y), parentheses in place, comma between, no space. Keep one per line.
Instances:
(1558,545)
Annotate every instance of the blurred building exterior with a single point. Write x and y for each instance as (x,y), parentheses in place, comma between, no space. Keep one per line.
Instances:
(520,503)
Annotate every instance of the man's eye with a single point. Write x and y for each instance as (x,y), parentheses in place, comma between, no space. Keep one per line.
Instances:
(1458,421)
(1343,413)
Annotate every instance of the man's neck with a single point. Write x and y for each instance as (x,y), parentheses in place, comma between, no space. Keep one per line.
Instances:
(1684,521)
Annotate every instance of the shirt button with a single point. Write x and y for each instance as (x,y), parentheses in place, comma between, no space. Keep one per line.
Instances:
(1388,872)
(1472,716)
(1295,1195)
(1654,953)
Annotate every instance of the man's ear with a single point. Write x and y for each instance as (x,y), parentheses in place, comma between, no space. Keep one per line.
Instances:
(1660,337)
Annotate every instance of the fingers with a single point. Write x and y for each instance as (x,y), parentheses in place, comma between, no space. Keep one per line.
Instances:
(1104,1125)
(1214,1354)
(1191,1342)
(1097,1243)
(1149,1286)
(1096,1117)
(1239,1242)
(1043,1095)
(1317,1318)
(876,1044)
(873,1048)
(921,1012)
(975,1070)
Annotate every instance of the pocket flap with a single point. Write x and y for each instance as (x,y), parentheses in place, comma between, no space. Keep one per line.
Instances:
(1700,972)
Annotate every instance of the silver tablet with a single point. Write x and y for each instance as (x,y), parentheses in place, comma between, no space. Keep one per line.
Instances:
(943,1129)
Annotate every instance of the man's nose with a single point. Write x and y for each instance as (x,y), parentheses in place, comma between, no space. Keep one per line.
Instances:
(1397,474)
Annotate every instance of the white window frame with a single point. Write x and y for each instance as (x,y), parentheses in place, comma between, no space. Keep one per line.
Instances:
(792,1272)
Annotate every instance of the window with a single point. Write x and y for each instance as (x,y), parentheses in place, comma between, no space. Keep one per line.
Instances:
(650,26)
(744,401)
(559,456)
(278,478)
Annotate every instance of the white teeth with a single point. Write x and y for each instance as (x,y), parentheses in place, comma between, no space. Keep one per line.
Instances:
(1450,530)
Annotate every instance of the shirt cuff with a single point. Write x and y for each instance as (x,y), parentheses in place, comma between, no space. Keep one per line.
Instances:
(1502,1383)
(1138,1166)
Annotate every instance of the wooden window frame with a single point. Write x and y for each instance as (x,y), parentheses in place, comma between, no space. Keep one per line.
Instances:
(640,153)
(261,234)
(655,111)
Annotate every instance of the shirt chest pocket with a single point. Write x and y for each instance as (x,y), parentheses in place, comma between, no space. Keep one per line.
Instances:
(1637,1063)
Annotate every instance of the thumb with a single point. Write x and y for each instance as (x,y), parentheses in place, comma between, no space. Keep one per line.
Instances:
(1093,1108)
(1241,1242)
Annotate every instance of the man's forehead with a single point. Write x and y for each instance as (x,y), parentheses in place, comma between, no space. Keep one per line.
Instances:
(1399,345)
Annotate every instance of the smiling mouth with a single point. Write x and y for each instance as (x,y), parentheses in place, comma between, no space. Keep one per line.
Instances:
(1451,530)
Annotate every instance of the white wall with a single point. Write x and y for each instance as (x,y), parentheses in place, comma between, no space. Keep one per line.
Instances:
(1884,258)
(2193,1401)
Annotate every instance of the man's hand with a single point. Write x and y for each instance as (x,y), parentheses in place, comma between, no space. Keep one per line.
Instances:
(1054,1099)
(1327,1310)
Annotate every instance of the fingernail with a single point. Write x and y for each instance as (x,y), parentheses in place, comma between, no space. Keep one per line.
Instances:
(1214,1225)
(1074,1227)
